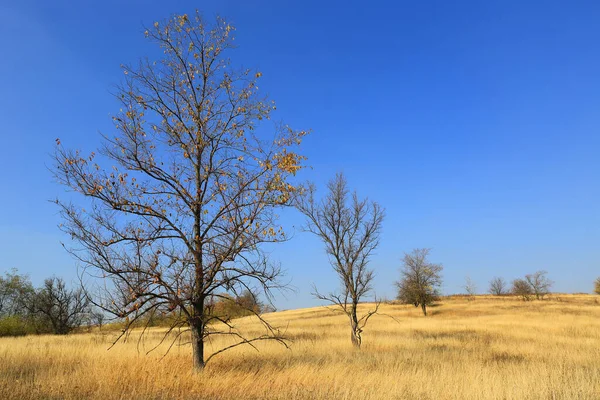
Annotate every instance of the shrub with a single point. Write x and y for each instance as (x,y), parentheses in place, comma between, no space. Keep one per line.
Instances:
(15,326)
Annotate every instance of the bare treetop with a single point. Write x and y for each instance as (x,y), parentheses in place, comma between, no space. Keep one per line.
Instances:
(184,193)
(498,287)
(540,284)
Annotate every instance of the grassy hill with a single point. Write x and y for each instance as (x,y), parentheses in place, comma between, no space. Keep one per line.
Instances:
(487,348)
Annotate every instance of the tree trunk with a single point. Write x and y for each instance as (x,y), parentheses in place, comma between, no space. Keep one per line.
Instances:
(355,336)
(197,329)
(424,308)
(198,321)
(197,345)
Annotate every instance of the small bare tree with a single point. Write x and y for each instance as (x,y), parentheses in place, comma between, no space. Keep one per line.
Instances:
(497,287)
(184,195)
(349,228)
(420,279)
(522,288)
(540,284)
(470,287)
(597,286)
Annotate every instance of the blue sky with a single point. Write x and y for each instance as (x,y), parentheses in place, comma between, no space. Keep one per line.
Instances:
(475,124)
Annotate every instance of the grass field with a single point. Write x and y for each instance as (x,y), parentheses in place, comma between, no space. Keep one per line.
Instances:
(488,348)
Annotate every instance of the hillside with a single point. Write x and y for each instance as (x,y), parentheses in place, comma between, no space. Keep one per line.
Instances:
(488,348)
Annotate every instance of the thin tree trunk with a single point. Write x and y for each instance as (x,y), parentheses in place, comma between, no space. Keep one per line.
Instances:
(355,336)
(424,308)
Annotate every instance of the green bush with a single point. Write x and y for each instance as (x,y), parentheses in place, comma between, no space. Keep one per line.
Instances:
(15,326)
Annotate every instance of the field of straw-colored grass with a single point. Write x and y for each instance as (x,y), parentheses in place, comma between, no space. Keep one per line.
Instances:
(488,348)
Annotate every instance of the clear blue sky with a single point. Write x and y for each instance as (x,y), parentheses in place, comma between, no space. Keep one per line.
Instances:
(475,124)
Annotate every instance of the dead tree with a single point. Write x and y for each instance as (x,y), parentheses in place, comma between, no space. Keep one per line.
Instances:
(470,287)
(177,203)
(420,279)
(349,228)
(540,284)
(498,287)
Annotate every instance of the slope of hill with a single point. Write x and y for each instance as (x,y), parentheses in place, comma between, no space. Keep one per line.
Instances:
(488,348)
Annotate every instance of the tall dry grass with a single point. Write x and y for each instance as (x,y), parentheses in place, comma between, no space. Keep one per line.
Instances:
(489,348)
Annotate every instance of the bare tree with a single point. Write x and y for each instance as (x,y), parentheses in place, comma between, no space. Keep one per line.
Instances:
(470,287)
(497,287)
(522,288)
(420,279)
(597,286)
(185,192)
(540,284)
(62,308)
(14,288)
(349,228)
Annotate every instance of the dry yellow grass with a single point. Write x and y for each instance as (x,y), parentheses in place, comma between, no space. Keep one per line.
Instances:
(489,348)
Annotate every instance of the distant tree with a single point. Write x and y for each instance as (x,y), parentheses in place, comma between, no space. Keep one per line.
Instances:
(248,300)
(597,286)
(14,288)
(470,287)
(59,307)
(540,284)
(15,319)
(228,307)
(349,228)
(177,205)
(498,287)
(420,280)
(269,308)
(522,288)
(405,293)
(97,318)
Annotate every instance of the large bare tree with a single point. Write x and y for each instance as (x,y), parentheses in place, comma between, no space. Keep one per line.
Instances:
(184,194)
(349,227)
